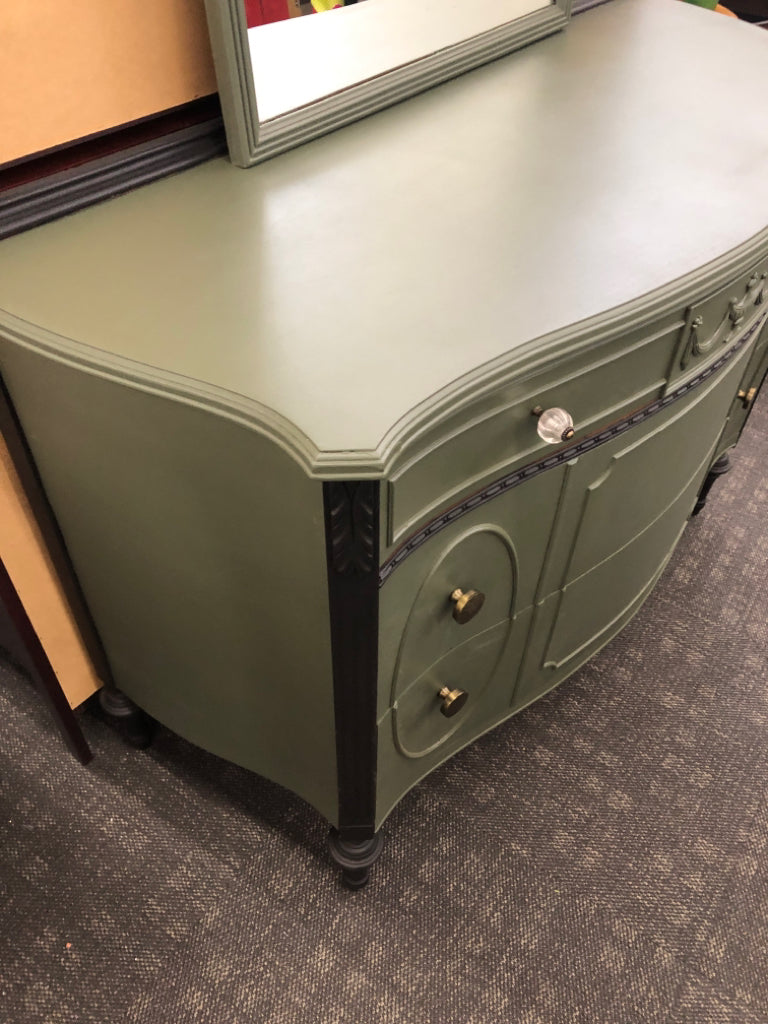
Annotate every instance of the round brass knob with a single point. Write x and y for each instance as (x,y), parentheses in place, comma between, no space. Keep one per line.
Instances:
(554,426)
(453,701)
(466,605)
(747,397)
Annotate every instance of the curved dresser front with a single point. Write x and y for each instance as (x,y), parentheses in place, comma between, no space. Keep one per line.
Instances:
(290,420)
(564,545)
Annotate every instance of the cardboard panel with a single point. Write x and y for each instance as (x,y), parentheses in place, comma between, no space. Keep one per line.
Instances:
(69,70)
(26,559)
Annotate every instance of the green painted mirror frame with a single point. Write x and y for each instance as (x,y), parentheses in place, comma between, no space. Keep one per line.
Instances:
(252,139)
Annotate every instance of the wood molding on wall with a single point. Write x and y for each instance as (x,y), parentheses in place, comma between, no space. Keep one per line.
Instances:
(41,190)
(76,69)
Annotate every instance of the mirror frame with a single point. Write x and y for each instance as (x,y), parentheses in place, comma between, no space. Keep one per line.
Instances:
(251,141)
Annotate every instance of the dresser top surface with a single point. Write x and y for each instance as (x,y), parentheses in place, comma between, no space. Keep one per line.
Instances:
(342,285)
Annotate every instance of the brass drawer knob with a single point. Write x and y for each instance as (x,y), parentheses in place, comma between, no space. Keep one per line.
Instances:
(453,701)
(747,397)
(467,604)
(554,426)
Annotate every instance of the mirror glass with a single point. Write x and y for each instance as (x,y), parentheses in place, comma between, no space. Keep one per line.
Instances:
(289,70)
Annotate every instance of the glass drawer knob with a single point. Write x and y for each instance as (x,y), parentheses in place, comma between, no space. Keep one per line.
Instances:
(554,426)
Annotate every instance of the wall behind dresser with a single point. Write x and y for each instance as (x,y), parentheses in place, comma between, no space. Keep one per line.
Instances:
(73,69)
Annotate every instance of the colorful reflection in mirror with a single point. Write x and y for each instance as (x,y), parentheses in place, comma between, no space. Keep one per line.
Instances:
(299,58)
(290,70)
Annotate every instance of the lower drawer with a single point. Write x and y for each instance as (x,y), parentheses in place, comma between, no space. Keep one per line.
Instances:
(418,719)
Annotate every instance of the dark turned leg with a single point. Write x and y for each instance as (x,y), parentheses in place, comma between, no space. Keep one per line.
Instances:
(355,857)
(719,468)
(130,721)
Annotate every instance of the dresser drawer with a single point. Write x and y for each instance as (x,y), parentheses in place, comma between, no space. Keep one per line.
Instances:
(419,721)
(480,563)
(496,549)
(714,322)
(500,434)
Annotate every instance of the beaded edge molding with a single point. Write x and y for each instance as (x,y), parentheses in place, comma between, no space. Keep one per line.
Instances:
(375,463)
(506,483)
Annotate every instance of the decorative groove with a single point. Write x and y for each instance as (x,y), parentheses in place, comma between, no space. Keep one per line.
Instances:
(564,454)
(352,510)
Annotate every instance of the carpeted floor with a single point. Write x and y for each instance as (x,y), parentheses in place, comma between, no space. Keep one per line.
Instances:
(601,858)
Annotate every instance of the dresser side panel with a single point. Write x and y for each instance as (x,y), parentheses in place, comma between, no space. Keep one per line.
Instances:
(200,547)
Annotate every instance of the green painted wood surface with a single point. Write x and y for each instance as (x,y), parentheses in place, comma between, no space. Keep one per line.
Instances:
(574,177)
(201,551)
(753,378)
(191,360)
(618,516)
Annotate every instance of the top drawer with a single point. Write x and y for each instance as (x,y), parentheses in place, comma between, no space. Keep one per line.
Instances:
(711,324)
(499,433)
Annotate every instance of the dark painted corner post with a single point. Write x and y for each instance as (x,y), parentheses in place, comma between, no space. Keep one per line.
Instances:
(352,553)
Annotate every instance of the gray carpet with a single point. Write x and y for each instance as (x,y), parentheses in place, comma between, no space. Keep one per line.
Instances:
(601,858)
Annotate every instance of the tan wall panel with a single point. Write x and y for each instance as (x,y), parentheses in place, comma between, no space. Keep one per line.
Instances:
(70,69)
(26,558)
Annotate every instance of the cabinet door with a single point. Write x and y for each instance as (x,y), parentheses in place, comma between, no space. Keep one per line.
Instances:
(496,548)
(751,384)
(624,507)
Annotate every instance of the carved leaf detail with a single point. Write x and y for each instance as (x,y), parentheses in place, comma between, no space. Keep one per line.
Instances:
(352,511)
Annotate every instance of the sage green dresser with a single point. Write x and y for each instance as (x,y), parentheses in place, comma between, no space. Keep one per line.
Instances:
(288,418)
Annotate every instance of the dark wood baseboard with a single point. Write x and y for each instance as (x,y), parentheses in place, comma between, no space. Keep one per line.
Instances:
(56,184)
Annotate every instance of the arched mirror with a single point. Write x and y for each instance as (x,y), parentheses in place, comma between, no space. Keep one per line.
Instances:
(288,81)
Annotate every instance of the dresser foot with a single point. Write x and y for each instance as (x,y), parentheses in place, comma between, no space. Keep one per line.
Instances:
(719,468)
(355,856)
(131,722)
